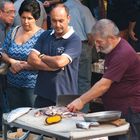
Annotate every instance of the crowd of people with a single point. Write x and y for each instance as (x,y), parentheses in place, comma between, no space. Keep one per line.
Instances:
(49,46)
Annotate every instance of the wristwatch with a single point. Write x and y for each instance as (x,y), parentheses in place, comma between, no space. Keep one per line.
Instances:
(41,55)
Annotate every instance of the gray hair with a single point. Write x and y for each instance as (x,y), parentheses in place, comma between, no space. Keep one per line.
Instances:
(3,2)
(105,28)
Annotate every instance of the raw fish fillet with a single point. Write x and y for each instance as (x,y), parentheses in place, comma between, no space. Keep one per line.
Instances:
(14,114)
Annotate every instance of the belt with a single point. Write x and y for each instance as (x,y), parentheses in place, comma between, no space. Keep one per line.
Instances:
(84,41)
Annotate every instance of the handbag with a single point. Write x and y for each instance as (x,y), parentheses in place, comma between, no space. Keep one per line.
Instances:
(3,65)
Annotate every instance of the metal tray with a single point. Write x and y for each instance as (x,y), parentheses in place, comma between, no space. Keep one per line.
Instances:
(103,116)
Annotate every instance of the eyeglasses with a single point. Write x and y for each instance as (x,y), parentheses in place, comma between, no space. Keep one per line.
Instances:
(9,12)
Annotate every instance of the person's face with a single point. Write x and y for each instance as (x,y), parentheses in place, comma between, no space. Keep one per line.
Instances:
(27,21)
(103,45)
(60,21)
(8,13)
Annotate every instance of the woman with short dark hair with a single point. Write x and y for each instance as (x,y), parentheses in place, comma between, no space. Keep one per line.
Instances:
(21,76)
(31,6)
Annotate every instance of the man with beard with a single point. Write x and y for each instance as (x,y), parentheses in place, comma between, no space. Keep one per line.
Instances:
(119,87)
(7,14)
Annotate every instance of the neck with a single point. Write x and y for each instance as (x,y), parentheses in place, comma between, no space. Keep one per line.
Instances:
(116,41)
(34,29)
(61,34)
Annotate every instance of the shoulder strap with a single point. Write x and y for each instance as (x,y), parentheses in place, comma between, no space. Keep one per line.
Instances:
(14,32)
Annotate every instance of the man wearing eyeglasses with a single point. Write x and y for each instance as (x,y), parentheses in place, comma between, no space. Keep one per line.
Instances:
(7,14)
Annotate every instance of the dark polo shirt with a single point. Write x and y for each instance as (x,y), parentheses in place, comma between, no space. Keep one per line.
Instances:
(63,81)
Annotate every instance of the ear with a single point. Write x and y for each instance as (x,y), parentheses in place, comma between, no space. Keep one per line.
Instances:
(69,18)
(111,37)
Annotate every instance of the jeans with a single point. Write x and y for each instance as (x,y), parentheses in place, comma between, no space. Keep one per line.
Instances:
(134,120)
(84,74)
(20,97)
(3,100)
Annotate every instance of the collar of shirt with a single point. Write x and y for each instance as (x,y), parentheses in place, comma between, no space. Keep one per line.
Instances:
(67,35)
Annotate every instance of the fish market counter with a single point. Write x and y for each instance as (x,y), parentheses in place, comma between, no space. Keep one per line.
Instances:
(66,129)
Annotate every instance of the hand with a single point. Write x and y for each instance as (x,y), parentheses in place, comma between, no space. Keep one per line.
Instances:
(132,35)
(47,3)
(76,105)
(17,66)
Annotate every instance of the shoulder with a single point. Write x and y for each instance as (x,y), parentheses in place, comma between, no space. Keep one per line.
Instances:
(41,31)
(45,34)
(74,42)
(70,35)
(124,45)
(123,52)
(74,36)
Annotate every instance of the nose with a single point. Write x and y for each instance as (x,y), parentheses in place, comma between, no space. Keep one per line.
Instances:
(25,20)
(12,15)
(96,44)
(57,24)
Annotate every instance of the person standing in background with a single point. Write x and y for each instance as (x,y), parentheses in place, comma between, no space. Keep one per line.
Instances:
(7,14)
(82,22)
(97,8)
(134,25)
(118,12)
(56,56)
(21,76)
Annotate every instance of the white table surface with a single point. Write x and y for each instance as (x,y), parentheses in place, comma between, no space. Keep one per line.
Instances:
(66,129)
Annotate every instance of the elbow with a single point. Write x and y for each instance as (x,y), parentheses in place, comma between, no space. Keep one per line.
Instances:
(31,61)
(59,65)
(104,85)
(105,88)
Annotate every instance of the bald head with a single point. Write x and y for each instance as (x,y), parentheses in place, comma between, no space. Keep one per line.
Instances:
(60,19)
(61,7)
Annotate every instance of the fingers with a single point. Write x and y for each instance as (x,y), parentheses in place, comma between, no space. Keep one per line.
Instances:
(132,36)
(16,67)
(46,4)
(76,105)
(12,70)
(71,108)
